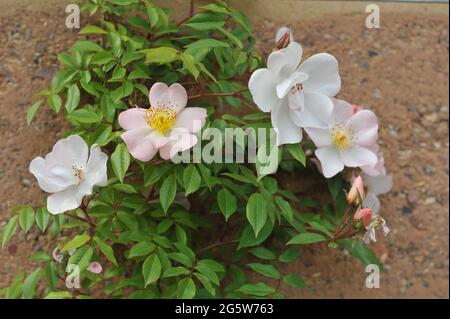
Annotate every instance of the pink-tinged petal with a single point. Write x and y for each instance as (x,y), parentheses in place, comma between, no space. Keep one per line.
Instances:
(378,168)
(57,256)
(96,167)
(158,139)
(342,111)
(133,118)
(159,94)
(323,71)
(287,131)
(47,181)
(177,97)
(181,143)
(358,156)
(95,267)
(330,160)
(364,215)
(284,62)
(286,84)
(316,113)
(139,144)
(192,119)
(365,125)
(262,86)
(378,185)
(65,200)
(356,193)
(320,137)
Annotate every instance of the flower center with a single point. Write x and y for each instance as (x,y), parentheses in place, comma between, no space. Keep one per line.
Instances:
(161,118)
(78,173)
(342,137)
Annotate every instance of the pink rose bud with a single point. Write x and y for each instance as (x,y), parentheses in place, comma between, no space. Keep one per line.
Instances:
(95,267)
(364,215)
(356,194)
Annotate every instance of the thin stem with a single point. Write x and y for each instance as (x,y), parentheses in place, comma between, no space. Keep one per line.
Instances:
(211,94)
(218,244)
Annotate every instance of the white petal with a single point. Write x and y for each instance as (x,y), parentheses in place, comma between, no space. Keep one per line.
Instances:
(323,71)
(320,137)
(285,61)
(381,184)
(317,111)
(69,151)
(286,84)
(47,181)
(371,201)
(330,160)
(96,167)
(365,125)
(342,111)
(262,85)
(287,131)
(159,94)
(297,100)
(65,200)
(358,156)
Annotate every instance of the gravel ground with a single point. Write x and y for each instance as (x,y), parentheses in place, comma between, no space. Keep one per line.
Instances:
(400,71)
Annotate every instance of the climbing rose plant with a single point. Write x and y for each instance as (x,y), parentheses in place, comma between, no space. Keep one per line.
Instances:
(126,220)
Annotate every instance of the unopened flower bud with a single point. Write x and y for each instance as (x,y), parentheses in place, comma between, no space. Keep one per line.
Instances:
(363,215)
(356,108)
(356,194)
(283,38)
(95,267)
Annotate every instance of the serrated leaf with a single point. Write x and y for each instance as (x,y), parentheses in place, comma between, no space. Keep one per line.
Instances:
(26,218)
(227,202)
(9,230)
(42,219)
(186,289)
(191,179)
(92,29)
(32,111)
(257,212)
(294,281)
(120,161)
(266,270)
(73,98)
(167,192)
(259,290)
(307,238)
(106,250)
(76,242)
(290,255)
(141,249)
(151,269)
(263,253)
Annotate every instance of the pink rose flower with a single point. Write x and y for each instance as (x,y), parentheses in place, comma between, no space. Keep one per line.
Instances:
(167,126)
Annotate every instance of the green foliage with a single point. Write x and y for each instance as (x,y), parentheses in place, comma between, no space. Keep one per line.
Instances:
(150,242)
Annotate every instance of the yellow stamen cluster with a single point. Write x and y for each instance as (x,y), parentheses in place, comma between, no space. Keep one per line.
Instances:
(78,173)
(342,137)
(161,118)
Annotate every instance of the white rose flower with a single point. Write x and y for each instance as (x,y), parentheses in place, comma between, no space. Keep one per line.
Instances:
(70,173)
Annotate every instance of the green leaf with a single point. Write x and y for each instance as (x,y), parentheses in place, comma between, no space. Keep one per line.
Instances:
(42,219)
(85,46)
(32,111)
(29,285)
(175,271)
(307,238)
(92,29)
(81,258)
(125,188)
(207,43)
(120,161)
(9,230)
(116,44)
(290,255)
(26,218)
(285,208)
(215,8)
(167,192)
(249,239)
(161,55)
(73,98)
(297,152)
(266,270)
(54,102)
(191,179)
(122,91)
(85,116)
(152,15)
(106,250)
(262,253)
(59,295)
(151,269)
(40,256)
(227,203)
(141,249)
(205,26)
(294,281)
(186,289)
(259,290)
(256,212)
(232,37)
(77,241)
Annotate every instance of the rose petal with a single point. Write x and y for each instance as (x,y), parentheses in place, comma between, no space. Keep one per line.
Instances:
(330,160)
(287,131)
(358,156)
(191,118)
(284,62)
(133,118)
(262,86)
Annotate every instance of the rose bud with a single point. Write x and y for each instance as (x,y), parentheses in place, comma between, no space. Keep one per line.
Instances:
(363,215)
(356,194)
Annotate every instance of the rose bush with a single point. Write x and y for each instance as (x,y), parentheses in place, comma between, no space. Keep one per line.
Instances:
(129,221)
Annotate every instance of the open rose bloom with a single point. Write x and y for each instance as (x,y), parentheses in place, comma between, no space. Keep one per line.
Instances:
(70,172)
(167,126)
